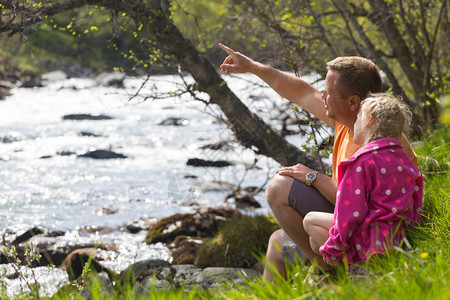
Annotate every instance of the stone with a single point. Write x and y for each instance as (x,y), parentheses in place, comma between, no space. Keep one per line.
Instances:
(198,162)
(75,261)
(214,276)
(246,201)
(174,122)
(141,269)
(184,249)
(223,145)
(53,251)
(114,79)
(140,224)
(83,117)
(106,210)
(32,83)
(102,154)
(12,236)
(189,276)
(203,223)
(87,133)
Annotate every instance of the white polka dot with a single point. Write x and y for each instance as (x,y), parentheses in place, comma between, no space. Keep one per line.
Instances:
(357,155)
(419,174)
(383,171)
(356,214)
(399,168)
(392,150)
(358,191)
(416,188)
(333,257)
(337,247)
(374,151)
(388,192)
(350,233)
(376,148)
(358,247)
(419,210)
(358,169)
(412,170)
(338,193)
(378,243)
(392,144)
(394,210)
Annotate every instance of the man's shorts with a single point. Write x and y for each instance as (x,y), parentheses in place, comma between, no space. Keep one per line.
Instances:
(303,199)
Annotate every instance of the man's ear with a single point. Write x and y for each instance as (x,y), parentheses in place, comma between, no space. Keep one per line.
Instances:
(355,103)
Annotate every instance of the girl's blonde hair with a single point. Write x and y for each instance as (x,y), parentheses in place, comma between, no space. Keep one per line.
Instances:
(391,116)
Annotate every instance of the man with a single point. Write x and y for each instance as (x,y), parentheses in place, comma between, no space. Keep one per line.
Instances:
(295,191)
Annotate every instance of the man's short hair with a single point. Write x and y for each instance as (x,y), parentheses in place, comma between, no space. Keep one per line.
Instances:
(357,76)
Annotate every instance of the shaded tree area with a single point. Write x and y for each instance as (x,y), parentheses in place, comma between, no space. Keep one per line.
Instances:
(409,40)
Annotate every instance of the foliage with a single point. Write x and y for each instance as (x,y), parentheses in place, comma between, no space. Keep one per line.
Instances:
(407,39)
(238,243)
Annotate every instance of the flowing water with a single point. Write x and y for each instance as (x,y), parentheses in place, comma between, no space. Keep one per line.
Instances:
(44,182)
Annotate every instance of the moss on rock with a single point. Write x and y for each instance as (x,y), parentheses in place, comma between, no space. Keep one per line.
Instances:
(238,243)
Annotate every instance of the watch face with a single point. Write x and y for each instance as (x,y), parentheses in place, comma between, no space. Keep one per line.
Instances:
(311,175)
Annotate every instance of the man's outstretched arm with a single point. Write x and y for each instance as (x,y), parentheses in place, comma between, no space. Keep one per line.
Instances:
(286,85)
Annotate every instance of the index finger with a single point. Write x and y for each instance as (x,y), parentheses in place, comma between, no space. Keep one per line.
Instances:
(226,49)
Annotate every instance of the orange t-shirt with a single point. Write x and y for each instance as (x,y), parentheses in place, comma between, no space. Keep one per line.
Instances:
(344,147)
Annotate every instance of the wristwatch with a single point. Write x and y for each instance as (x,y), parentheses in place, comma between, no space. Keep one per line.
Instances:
(310,177)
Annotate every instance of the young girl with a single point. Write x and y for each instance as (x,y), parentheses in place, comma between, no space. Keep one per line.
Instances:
(379,189)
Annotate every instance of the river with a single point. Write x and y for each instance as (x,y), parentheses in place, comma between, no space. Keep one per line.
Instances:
(45,183)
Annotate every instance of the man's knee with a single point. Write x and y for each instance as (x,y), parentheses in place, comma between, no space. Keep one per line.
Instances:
(276,239)
(277,191)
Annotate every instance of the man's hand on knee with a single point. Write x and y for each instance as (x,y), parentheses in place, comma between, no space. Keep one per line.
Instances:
(297,172)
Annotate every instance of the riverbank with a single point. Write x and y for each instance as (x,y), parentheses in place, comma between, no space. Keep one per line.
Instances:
(419,268)
(53,259)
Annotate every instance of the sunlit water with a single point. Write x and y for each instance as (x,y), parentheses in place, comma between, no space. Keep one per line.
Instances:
(66,192)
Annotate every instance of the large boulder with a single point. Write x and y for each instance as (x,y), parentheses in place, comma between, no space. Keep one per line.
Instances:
(203,223)
(13,236)
(53,250)
(189,276)
(75,262)
(184,249)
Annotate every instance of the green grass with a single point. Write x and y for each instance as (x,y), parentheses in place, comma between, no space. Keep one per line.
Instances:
(418,270)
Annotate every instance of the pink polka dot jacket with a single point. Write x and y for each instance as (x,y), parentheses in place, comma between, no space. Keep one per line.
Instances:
(379,194)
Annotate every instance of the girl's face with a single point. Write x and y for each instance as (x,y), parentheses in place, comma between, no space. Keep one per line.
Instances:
(362,129)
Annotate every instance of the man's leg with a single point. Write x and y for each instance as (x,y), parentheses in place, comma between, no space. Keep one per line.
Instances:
(290,220)
(274,257)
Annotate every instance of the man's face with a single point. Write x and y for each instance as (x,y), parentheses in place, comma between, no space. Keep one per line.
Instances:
(331,96)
